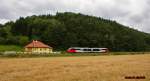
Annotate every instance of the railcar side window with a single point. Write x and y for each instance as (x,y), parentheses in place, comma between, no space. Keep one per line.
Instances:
(96,49)
(86,49)
(77,49)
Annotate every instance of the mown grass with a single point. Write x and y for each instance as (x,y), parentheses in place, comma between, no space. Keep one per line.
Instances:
(87,68)
(10,48)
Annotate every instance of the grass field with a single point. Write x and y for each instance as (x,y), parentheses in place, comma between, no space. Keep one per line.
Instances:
(87,68)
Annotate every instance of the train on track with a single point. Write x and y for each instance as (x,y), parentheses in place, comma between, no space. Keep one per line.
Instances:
(87,50)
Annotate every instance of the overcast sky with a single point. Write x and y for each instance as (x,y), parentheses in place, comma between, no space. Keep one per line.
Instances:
(133,13)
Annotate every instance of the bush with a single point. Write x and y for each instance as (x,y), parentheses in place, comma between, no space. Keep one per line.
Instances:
(22,55)
(17,54)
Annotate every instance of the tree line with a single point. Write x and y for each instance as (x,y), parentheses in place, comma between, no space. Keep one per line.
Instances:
(67,29)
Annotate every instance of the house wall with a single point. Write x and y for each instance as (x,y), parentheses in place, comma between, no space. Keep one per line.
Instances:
(39,50)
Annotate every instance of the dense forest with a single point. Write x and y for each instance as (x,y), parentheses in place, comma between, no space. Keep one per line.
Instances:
(65,30)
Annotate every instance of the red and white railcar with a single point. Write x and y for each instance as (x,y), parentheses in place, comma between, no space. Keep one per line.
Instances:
(87,50)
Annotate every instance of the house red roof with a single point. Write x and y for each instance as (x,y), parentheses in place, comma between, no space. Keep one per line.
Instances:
(37,44)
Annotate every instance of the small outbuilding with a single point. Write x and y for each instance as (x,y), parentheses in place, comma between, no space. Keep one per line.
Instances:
(38,47)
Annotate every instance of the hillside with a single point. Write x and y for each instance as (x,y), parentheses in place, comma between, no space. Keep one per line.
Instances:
(67,29)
